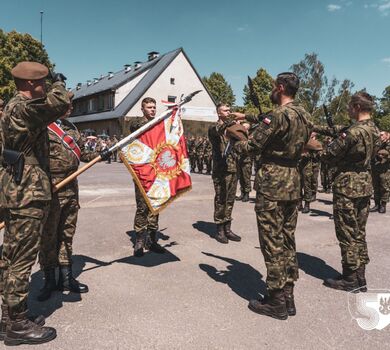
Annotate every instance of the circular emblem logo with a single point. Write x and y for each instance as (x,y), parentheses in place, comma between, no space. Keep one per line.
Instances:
(134,152)
(166,162)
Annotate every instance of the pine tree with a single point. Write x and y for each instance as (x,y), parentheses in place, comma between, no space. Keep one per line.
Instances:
(219,88)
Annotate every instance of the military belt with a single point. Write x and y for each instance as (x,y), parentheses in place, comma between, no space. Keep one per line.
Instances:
(288,163)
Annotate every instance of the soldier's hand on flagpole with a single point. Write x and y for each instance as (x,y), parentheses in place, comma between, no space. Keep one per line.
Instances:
(238,115)
(105,154)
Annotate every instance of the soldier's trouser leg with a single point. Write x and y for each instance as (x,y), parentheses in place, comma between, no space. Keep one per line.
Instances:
(67,229)
(225,193)
(276,222)
(246,177)
(314,183)
(48,252)
(376,185)
(143,220)
(384,191)
(307,175)
(350,218)
(23,229)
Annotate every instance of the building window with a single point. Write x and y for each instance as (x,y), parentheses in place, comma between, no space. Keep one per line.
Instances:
(172,81)
(172,99)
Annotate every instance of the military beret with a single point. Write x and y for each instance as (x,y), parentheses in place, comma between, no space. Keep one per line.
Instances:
(237,132)
(29,71)
(313,145)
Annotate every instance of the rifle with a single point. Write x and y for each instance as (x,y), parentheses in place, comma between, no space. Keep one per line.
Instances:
(328,116)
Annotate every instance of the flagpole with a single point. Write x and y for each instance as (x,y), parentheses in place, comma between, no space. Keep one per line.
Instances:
(123,142)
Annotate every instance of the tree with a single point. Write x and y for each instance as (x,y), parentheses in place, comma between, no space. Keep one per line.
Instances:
(262,84)
(385,102)
(338,106)
(313,81)
(219,88)
(14,48)
(384,123)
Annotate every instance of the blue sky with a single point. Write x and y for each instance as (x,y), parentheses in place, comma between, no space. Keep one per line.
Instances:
(86,38)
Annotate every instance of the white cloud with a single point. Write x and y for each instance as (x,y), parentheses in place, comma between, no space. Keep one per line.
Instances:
(243,28)
(385,7)
(333,7)
(386,60)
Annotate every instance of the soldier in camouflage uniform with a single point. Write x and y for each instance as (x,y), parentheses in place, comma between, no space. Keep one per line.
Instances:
(26,190)
(199,151)
(224,175)
(352,153)
(191,152)
(145,223)
(1,158)
(244,170)
(208,155)
(66,151)
(326,172)
(279,138)
(381,175)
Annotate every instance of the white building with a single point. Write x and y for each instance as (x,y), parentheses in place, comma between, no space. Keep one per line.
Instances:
(108,103)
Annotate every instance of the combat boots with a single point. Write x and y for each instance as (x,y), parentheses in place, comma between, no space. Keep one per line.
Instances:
(21,330)
(39,320)
(66,281)
(300,206)
(306,208)
(273,305)
(230,234)
(289,296)
(154,246)
(240,197)
(375,207)
(382,207)
(245,197)
(49,286)
(361,277)
(220,236)
(139,244)
(348,281)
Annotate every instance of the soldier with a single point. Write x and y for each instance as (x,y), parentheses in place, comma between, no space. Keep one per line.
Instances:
(326,172)
(208,155)
(145,223)
(224,175)
(1,158)
(352,153)
(381,175)
(191,152)
(244,172)
(199,151)
(26,173)
(66,151)
(279,138)
(114,141)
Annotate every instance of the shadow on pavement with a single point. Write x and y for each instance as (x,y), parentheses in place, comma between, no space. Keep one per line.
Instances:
(242,278)
(317,212)
(57,298)
(325,201)
(209,228)
(315,267)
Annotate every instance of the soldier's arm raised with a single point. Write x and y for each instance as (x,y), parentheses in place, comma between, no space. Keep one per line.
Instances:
(37,113)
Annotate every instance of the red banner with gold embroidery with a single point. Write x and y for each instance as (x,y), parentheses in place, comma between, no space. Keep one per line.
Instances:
(158,161)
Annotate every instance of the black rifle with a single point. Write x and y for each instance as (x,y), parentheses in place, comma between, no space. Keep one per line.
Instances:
(328,116)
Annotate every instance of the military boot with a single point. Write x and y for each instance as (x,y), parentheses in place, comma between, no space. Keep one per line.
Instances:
(245,197)
(67,282)
(382,207)
(273,305)
(300,206)
(39,320)
(306,208)
(49,286)
(348,281)
(375,207)
(154,246)
(220,236)
(139,244)
(361,277)
(230,234)
(289,296)
(21,330)
(240,197)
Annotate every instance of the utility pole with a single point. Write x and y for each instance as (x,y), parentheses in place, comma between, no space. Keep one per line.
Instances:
(41,25)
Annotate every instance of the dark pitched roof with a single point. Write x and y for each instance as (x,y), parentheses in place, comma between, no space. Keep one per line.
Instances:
(155,67)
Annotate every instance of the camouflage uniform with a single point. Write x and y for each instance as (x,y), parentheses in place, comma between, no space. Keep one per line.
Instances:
(381,174)
(144,220)
(279,139)
(351,153)
(208,155)
(60,227)
(309,171)
(244,170)
(24,129)
(199,150)
(224,174)
(192,152)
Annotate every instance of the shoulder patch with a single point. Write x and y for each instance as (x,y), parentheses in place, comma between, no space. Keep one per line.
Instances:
(343,135)
(267,119)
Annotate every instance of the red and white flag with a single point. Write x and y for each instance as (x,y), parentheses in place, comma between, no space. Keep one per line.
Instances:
(158,161)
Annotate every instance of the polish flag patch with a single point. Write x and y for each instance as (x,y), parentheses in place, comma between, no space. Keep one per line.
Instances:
(267,121)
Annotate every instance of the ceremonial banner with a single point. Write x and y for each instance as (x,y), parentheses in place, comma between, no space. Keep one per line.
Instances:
(158,161)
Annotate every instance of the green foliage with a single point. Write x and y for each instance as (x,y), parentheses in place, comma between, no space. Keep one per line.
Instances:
(262,85)
(14,48)
(385,101)
(384,123)
(219,88)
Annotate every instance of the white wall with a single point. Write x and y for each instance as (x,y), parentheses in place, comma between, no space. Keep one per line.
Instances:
(201,108)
